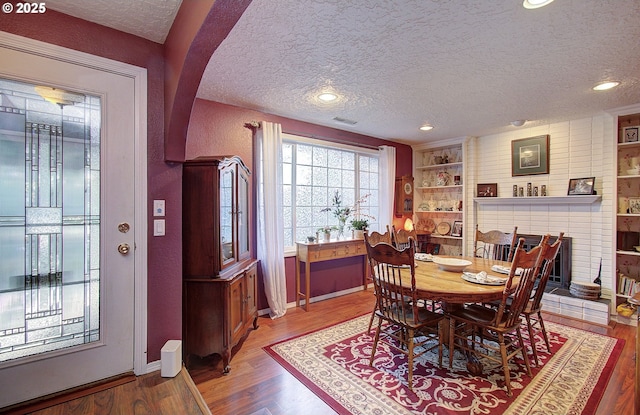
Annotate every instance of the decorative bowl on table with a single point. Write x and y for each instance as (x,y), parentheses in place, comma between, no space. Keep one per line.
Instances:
(451,264)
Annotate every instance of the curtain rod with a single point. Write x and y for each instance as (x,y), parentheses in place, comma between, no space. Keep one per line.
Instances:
(332,139)
(256,124)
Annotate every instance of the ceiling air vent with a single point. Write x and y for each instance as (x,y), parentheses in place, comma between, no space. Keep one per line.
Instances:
(345,120)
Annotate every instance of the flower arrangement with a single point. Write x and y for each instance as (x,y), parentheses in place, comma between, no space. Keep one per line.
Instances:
(342,213)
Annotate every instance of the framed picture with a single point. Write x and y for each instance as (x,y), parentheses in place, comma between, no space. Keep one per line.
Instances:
(530,156)
(457,225)
(582,186)
(630,134)
(634,205)
(487,190)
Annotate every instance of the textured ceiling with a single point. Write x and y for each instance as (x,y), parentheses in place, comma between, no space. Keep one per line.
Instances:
(150,19)
(467,67)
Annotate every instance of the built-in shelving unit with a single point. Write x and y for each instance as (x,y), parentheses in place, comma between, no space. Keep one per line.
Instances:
(439,194)
(627,198)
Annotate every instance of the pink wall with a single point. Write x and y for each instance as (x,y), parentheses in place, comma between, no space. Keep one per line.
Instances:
(219,129)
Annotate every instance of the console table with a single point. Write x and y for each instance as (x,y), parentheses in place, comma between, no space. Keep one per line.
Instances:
(309,252)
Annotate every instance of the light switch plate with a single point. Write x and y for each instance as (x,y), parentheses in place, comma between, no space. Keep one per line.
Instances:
(158,227)
(158,208)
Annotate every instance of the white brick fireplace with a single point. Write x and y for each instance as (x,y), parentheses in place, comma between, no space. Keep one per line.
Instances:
(578,148)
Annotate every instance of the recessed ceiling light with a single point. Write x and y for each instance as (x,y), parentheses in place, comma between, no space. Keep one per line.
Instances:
(426,127)
(606,85)
(518,123)
(534,4)
(327,97)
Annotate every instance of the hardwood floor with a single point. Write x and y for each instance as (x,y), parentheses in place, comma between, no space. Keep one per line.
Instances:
(150,394)
(259,385)
(256,381)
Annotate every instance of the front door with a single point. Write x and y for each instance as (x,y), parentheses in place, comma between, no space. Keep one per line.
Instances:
(67,226)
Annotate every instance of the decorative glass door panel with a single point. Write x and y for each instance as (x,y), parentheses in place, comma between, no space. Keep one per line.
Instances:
(49,219)
(243,215)
(227,181)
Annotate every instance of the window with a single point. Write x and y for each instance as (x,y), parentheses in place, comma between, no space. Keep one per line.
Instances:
(313,172)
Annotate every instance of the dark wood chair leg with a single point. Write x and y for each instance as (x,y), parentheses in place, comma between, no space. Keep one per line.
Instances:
(373,315)
(544,332)
(532,340)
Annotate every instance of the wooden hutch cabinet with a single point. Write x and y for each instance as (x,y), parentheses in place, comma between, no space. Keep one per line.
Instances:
(220,287)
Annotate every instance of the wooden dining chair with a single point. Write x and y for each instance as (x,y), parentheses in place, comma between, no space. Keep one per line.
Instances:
(472,325)
(533,308)
(400,241)
(411,329)
(401,237)
(375,238)
(495,244)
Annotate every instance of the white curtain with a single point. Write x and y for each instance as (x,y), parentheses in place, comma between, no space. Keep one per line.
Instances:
(270,221)
(387,182)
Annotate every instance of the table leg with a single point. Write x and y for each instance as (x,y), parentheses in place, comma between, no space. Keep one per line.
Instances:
(307,278)
(297,281)
(365,275)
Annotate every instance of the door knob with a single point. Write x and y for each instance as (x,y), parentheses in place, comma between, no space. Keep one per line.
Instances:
(124,248)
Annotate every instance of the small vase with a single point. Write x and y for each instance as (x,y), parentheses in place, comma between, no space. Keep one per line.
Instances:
(358,234)
(327,236)
(341,225)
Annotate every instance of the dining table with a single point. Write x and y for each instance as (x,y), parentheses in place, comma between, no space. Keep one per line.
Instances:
(449,288)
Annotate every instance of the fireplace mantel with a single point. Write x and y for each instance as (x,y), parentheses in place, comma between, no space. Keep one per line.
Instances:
(539,200)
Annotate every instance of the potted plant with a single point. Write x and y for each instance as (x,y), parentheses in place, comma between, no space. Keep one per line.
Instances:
(359,226)
(326,232)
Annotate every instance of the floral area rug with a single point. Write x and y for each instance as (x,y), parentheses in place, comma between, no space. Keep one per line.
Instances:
(334,363)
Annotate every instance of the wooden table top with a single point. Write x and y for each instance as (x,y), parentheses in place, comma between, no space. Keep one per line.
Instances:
(436,284)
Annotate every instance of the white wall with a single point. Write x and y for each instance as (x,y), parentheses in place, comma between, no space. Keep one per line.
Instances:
(578,148)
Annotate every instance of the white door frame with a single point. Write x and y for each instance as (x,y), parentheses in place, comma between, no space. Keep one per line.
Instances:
(139,75)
